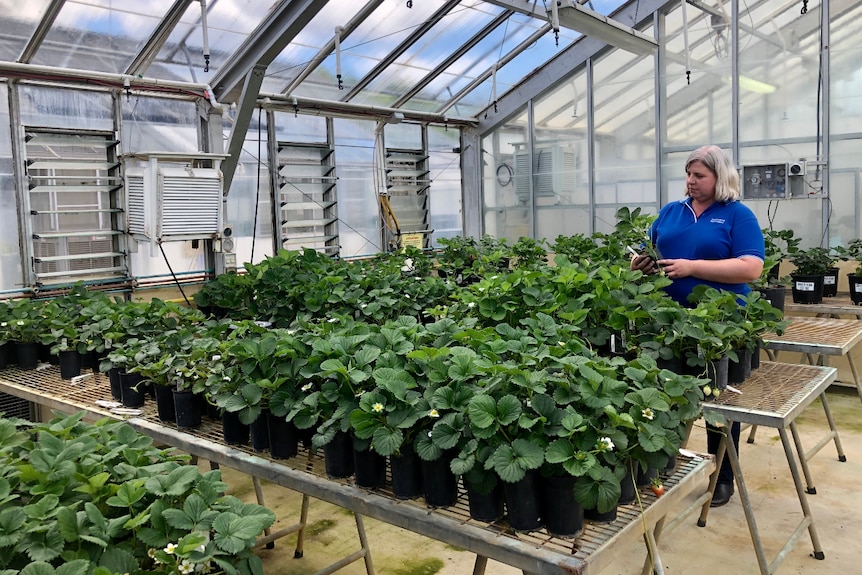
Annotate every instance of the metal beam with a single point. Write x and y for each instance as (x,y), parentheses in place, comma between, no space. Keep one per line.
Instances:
(41,31)
(248,102)
(145,56)
(559,68)
(262,46)
(452,58)
(329,47)
(574,16)
(400,49)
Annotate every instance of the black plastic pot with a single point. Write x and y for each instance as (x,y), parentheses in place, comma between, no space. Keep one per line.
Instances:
(338,456)
(488,506)
(740,370)
(369,468)
(440,485)
(234,431)
(28,355)
(406,470)
(830,283)
(282,437)
(259,432)
(165,403)
(522,503)
(562,514)
(755,356)
(716,371)
(70,364)
(775,295)
(132,389)
(188,409)
(114,381)
(4,355)
(807,289)
(855,282)
(627,484)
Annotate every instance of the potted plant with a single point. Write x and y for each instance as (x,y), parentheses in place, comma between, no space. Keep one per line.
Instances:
(25,328)
(853,251)
(812,264)
(121,504)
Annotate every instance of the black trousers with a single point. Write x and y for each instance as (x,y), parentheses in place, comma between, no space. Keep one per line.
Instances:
(713,438)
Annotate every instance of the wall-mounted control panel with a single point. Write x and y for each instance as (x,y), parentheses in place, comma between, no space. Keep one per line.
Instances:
(765,182)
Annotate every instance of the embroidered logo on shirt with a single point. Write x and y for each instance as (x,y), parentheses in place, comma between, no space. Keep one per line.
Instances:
(716,221)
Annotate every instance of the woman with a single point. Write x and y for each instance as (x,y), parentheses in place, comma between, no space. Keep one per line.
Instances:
(708,237)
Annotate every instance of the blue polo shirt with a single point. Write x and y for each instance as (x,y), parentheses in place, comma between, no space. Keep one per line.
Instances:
(723,230)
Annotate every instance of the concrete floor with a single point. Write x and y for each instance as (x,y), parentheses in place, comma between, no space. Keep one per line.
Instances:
(722,547)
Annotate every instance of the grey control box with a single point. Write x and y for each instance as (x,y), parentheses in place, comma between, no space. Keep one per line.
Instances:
(765,182)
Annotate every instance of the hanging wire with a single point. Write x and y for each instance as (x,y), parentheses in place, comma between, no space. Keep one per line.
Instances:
(206,35)
(555,21)
(338,31)
(685,40)
(804,7)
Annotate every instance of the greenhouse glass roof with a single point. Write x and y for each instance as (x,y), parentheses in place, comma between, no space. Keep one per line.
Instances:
(451,56)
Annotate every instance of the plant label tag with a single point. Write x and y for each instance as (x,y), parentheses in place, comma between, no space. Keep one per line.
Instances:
(805,286)
(829,280)
(857,288)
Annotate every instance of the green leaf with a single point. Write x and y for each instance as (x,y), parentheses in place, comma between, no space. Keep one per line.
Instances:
(234,534)
(118,560)
(482,411)
(43,507)
(38,568)
(599,490)
(11,521)
(508,409)
(67,523)
(387,441)
(47,548)
(511,462)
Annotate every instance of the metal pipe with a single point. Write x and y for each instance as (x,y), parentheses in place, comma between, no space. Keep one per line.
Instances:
(113,80)
(310,105)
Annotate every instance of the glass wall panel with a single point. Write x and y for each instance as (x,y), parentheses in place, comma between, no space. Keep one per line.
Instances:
(10,254)
(445,201)
(407,136)
(249,209)
(59,108)
(624,151)
(561,177)
(697,109)
(845,114)
(300,128)
(159,125)
(506,205)
(358,211)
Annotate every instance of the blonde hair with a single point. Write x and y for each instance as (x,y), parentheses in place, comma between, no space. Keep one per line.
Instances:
(726,175)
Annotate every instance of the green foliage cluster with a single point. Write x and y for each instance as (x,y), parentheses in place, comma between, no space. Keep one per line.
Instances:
(81,499)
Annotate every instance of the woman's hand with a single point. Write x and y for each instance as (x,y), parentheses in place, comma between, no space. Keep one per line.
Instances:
(731,270)
(644,263)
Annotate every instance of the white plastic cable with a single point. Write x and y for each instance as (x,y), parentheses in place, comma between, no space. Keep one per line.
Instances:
(338,31)
(206,35)
(685,41)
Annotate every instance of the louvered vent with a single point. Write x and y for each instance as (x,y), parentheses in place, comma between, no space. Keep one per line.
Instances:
(172,198)
(135,202)
(191,202)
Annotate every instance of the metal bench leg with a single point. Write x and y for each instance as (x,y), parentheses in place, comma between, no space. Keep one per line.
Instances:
(713,479)
(803,500)
(479,565)
(258,491)
(803,460)
(841,457)
(855,373)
